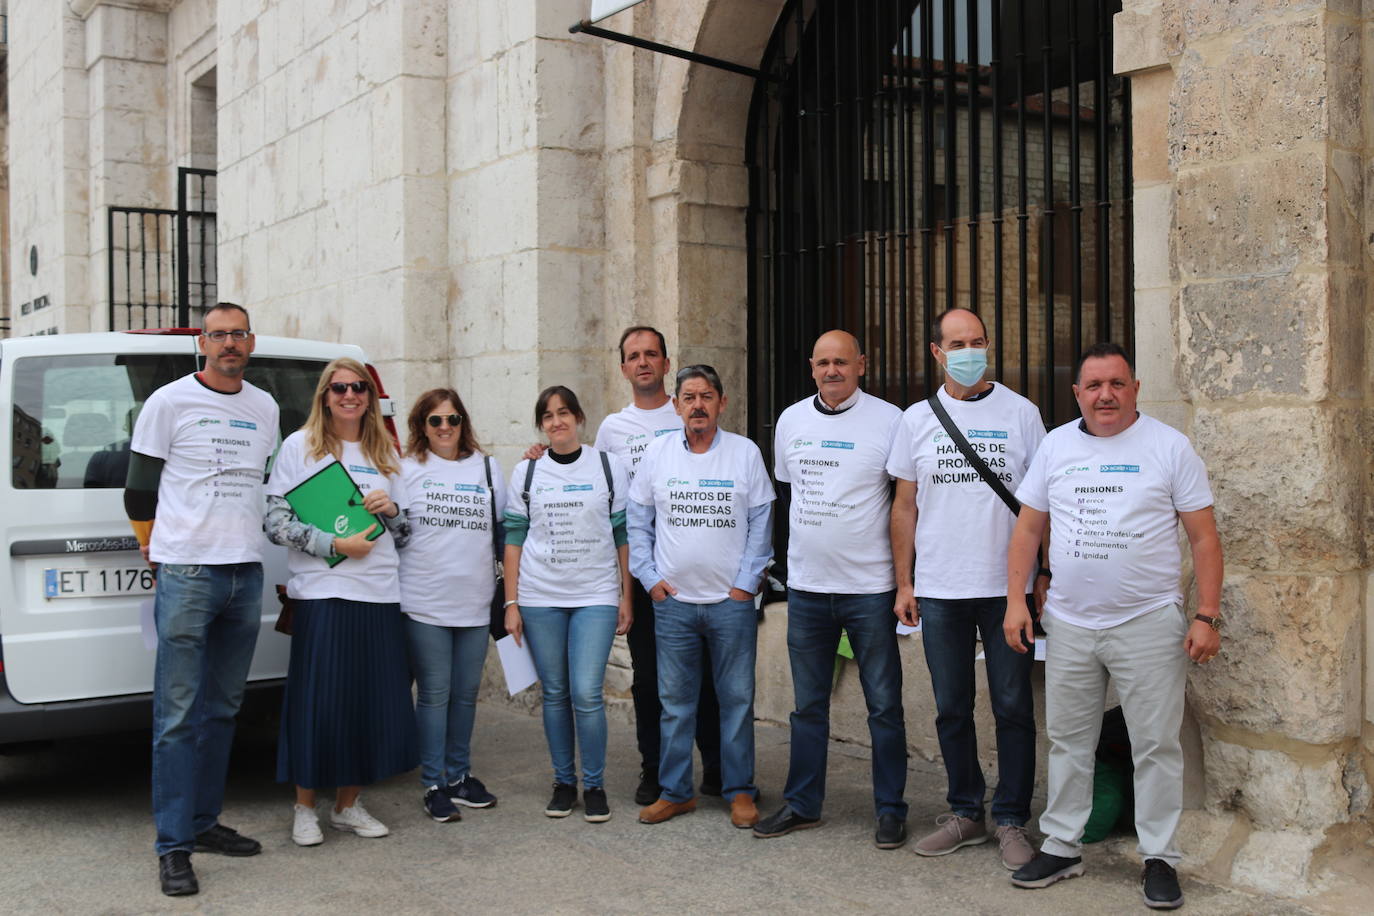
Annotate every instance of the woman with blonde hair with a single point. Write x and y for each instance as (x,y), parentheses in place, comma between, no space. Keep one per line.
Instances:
(448,577)
(346,716)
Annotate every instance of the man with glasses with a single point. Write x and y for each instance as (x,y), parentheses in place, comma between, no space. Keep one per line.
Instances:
(948,518)
(194,498)
(628,435)
(700,536)
(832,449)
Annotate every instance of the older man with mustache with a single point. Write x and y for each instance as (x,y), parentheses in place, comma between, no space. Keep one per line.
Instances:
(700,535)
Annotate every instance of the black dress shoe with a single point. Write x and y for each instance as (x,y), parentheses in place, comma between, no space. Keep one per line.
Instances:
(783,822)
(891,832)
(227,842)
(174,871)
(648,791)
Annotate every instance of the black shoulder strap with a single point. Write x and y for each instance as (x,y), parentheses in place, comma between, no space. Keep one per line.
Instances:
(610,484)
(972,457)
(525,494)
(491,493)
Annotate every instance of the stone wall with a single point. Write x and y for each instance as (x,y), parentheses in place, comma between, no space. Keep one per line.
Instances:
(1251,304)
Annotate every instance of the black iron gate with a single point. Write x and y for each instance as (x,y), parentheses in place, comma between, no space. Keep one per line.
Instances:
(161,263)
(908,156)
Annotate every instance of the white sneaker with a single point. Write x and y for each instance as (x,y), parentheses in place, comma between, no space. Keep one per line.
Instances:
(306,829)
(357,820)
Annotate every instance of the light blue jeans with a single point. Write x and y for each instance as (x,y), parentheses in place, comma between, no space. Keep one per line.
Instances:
(729,630)
(446,663)
(570,646)
(208,619)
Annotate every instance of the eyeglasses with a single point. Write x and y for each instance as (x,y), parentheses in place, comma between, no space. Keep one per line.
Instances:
(341,387)
(219,336)
(438,420)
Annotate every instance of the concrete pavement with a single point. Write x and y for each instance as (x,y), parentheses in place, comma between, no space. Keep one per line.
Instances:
(75,837)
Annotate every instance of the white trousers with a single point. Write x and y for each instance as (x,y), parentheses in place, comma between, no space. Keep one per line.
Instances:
(1145,659)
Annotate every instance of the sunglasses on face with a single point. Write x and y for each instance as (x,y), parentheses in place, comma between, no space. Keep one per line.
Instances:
(341,387)
(438,420)
(236,334)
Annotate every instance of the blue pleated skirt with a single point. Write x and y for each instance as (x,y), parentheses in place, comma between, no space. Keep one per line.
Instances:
(347,718)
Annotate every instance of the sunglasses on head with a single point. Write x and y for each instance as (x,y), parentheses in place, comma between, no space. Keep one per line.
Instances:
(438,420)
(341,387)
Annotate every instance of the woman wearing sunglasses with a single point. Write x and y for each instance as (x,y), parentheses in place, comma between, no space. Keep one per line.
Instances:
(456,497)
(346,716)
(568,590)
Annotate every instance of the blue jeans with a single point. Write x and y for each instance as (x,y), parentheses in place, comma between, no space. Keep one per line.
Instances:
(948,629)
(446,663)
(207,619)
(729,630)
(570,646)
(814,623)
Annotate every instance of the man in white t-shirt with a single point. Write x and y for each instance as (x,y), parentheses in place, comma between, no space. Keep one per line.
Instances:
(1114,487)
(628,435)
(959,525)
(194,498)
(832,449)
(700,536)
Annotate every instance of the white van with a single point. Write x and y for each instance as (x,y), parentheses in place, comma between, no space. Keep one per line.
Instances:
(74,657)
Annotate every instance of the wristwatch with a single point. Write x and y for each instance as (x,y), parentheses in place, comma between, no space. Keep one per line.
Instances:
(1213,622)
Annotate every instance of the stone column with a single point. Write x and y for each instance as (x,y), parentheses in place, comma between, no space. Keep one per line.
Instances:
(526,228)
(49,206)
(1250,298)
(332,220)
(126,67)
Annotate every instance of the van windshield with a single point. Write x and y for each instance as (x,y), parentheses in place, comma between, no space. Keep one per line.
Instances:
(74,415)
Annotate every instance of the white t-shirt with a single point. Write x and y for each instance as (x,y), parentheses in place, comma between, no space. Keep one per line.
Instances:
(448,572)
(962,526)
(630,432)
(215,447)
(569,557)
(837,466)
(373,578)
(701,504)
(1113,503)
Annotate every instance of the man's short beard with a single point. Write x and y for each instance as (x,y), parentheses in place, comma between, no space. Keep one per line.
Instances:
(232,371)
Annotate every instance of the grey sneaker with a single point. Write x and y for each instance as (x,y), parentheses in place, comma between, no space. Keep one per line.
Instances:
(355,819)
(954,832)
(1015,846)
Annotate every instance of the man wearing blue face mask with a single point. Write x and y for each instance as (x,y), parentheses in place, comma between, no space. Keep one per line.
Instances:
(950,530)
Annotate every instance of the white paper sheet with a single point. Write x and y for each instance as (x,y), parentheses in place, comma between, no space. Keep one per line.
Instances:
(147,624)
(516,663)
(604,8)
(904,630)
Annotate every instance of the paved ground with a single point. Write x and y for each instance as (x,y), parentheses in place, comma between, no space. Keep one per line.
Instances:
(75,837)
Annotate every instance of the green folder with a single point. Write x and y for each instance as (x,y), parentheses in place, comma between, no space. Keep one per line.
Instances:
(331,501)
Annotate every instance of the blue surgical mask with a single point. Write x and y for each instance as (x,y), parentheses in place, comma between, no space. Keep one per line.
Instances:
(966,366)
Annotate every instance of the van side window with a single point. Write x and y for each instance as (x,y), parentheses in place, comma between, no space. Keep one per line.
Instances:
(73,416)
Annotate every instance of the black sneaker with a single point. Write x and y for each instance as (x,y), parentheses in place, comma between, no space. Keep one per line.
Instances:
(1045,869)
(783,822)
(564,797)
(438,806)
(890,833)
(470,793)
(710,783)
(648,790)
(594,807)
(227,842)
(174,871)
(1159,886)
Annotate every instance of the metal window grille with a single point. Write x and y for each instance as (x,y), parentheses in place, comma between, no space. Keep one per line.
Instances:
(908,156)
(161,263)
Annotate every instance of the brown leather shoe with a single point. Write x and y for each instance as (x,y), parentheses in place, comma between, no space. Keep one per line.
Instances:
(743,812)
(663,810)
